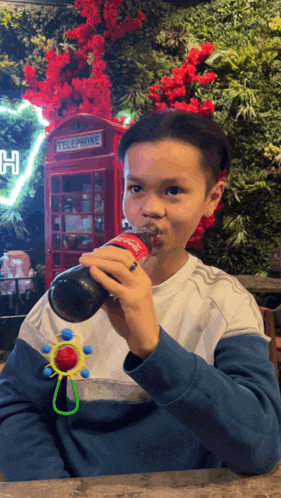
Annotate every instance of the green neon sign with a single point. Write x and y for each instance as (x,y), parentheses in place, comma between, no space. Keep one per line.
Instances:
(6,163)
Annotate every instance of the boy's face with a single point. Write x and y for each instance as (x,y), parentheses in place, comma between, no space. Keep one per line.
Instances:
(176,207)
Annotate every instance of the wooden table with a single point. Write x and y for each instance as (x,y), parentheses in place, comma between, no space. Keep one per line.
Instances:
(257,283)
(207,483)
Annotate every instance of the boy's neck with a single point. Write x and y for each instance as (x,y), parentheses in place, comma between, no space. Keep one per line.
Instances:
(159,273)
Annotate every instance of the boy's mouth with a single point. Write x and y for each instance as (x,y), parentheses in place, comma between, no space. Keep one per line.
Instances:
(158,231)
(158,240)
(158,237)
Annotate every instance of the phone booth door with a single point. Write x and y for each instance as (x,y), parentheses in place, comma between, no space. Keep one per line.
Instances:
(83,192)
(74,219)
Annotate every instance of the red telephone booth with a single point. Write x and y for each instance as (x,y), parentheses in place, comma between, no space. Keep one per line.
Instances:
(84,186)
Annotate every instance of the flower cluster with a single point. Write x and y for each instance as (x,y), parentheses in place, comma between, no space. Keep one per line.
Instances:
(169,91)
(64,94)
(276,24)
(272,151)
(173,92)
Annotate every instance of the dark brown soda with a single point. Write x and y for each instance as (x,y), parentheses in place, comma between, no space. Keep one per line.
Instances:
(75,296)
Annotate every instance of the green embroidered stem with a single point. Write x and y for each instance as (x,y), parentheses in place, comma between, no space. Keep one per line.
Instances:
(76,399)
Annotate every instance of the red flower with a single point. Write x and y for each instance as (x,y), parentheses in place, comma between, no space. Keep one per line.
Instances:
(206,50)
(97,44)
(50,55)
(110,13)
(29,73)
(206,78)
(207,108)
(192,58)
(160,107)
(71,110)
(177,92)
(86,107)
(67,90)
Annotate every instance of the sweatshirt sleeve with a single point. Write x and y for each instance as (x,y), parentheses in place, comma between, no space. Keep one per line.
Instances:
(233,406)
(29,446)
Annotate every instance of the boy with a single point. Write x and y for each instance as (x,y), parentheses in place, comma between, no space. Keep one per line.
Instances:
(191,386)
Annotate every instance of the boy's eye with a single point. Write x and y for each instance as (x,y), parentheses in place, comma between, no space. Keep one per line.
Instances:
(138,186)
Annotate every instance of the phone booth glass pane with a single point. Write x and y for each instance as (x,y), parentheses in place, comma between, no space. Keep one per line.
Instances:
(98,186)
(77,183)
(78,243)
(56,260)
(77,203)
(86,203)
(56,223)
(99,203)
(55,184)
(56,204)
(99,224)
(78,224)
(56,241)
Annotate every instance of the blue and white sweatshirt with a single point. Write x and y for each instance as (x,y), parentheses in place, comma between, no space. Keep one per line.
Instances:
(206,397)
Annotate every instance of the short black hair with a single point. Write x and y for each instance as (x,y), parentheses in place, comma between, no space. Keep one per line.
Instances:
(191,128)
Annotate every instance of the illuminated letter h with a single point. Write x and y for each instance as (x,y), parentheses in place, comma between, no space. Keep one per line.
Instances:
(14,162)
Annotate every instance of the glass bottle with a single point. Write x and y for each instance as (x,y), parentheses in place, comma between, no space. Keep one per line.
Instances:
(75,296)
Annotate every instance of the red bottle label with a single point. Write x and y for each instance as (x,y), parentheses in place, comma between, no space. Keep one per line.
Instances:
(131,242)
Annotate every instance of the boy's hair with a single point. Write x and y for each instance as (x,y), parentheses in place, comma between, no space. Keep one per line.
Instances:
(191,128)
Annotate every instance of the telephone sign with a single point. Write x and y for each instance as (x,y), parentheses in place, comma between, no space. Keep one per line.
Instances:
(75,143)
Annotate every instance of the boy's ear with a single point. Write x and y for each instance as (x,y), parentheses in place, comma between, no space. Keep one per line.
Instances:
(221,184)
(214,198)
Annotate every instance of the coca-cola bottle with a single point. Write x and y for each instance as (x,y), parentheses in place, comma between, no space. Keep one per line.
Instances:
(75,296)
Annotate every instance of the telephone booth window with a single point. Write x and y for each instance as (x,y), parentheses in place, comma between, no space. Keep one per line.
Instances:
(86,203)
(99,203)
(99,224)
(77,243)
(56,241)
(56,260)
(72,204)
(69,260)
(55,184)
(78,224)
(56,225)
(77,183)
(56,204)
(84,243)
(77,204)
(98,186)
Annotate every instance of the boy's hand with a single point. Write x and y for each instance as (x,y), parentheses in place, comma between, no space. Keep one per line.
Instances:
(131,309)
